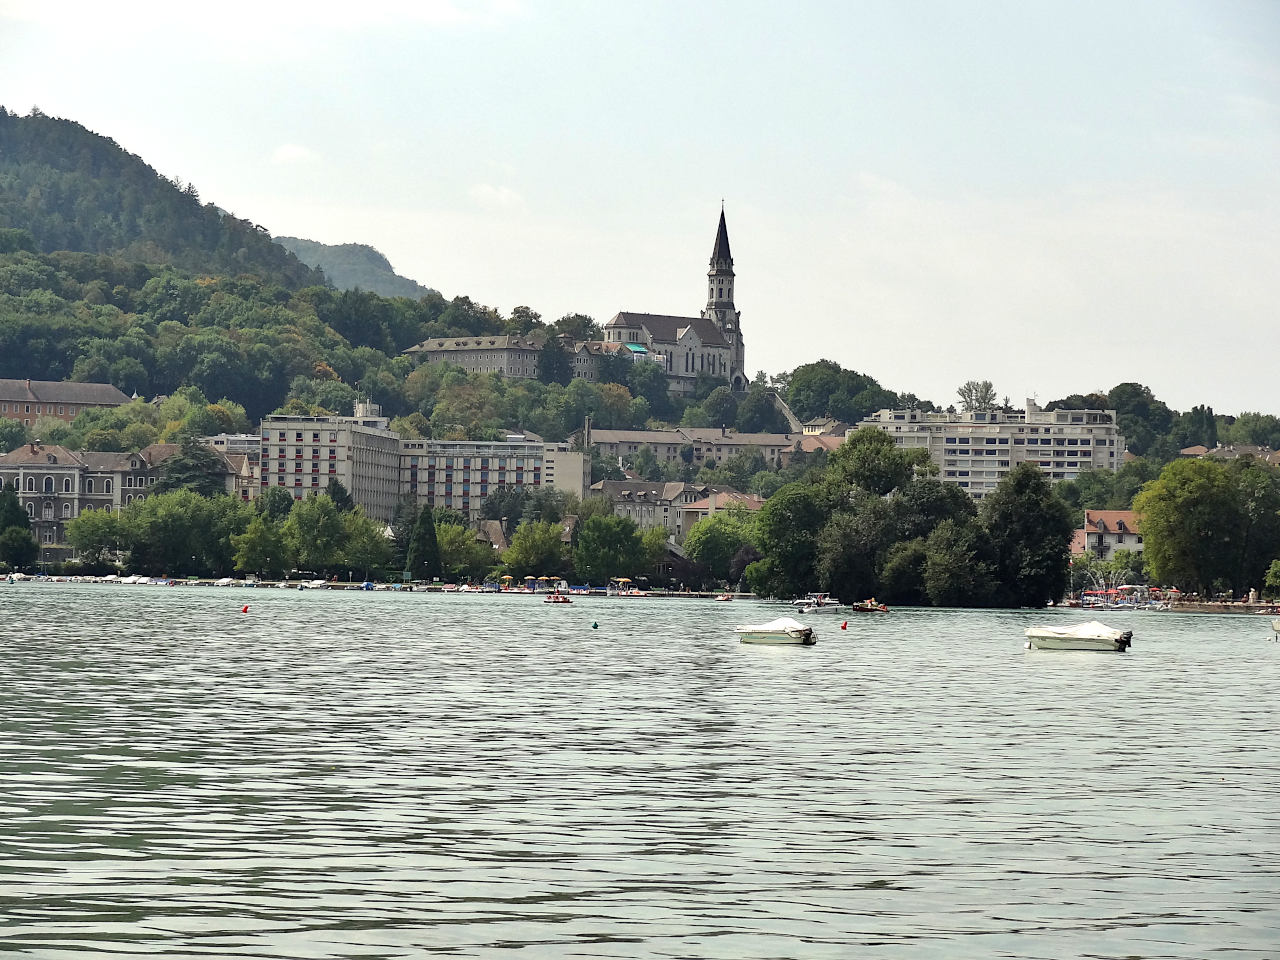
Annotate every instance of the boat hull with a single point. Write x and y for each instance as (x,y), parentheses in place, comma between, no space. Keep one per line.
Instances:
(806,639)
(1092,636)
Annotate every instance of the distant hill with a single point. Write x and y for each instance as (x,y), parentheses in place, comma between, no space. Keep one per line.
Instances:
(72,189)
(351,266)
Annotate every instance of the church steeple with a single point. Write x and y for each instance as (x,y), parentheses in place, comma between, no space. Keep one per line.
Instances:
(720,309)
(720,276)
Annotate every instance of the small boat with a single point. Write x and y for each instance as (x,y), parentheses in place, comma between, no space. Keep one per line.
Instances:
(868,606)
(782,630)
(1084,636)
(556,598)
(724,598)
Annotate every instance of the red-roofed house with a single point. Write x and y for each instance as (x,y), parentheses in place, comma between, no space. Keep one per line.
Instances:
(1106,531)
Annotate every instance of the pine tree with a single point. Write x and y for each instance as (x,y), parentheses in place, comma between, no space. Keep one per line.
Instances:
(423,562)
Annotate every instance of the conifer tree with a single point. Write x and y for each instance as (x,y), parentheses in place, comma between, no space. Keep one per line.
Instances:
(423,562)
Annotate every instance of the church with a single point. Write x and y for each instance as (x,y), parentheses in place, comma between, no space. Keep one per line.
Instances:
(687,346)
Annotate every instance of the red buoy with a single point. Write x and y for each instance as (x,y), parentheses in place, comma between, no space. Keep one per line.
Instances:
(843,626)
(245,608)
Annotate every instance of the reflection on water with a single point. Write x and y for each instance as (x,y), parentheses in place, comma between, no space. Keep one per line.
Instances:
(349,774)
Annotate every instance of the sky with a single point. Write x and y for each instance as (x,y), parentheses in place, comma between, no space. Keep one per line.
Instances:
(1055,197)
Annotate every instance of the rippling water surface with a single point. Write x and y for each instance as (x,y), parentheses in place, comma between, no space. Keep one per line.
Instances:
(373,775)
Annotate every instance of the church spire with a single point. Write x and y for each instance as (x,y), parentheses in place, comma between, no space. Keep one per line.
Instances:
(721,250)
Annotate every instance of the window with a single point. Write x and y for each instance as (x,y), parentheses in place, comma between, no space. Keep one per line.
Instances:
(48,484)
(106,486)
(66,509)
(66,484)
(88,485)
(31,509)
(31,484)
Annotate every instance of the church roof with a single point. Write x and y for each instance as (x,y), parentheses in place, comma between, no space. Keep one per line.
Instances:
(667,329)
(721,250)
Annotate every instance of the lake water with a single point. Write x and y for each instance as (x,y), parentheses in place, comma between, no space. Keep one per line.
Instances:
(378,775)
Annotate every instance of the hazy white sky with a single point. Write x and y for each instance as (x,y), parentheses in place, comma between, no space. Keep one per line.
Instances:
(1056,197)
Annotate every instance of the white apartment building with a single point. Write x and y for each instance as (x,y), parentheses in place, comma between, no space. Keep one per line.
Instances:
(975,450)
(460,474)
(302,454)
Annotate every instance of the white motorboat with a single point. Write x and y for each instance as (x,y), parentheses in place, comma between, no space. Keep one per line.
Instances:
(1083,636)
(782,630)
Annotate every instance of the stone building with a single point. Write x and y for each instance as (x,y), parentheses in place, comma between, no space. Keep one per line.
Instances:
(28,400)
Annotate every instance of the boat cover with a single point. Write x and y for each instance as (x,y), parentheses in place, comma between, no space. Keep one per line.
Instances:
(1093,630)
(781,625)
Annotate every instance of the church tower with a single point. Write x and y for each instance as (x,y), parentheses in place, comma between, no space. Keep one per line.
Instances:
(720,310)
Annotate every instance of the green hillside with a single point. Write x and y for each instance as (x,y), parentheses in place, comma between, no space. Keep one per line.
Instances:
(354,266)
(72,189)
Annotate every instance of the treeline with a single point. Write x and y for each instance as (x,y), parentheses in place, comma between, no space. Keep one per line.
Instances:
(71,189)
(876,521)
(355,266)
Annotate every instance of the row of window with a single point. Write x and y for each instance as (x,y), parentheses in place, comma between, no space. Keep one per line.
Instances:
(49,485)
(63,410)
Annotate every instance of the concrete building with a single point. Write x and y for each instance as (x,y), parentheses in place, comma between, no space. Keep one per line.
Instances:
(975,450)
(302,454)
(460,474)
(28,400)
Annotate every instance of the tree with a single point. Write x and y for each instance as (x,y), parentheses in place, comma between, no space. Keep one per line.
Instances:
(194,467)
(851,546)
(554,365)
(1029,530)
(902,576)
(757,412)
(17,547)
(274,503)
(12,434)
(462,556)
(262,549)
(423,559)
(871,461)
(11,512)
(578,326)
(977,395)
(337,492)
(536,550)
(95,535)
(314,534)
(367,547)
(788,526)
(721,407)
(1191,525)
(714,541)
(958,569)
(608,547)
(648,380)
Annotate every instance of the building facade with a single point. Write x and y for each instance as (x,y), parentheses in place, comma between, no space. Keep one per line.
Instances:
(673,505)
(302,454)
(510,356)
(704,445)
(55,485)
(460,474)
(1105,532)
(975,450)
(29,400)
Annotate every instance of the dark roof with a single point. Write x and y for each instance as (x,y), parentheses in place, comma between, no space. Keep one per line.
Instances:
(666,329)
(62,391)
(39,454)
(721,249)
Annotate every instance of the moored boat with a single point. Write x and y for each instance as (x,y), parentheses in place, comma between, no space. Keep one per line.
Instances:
(782,630)
(556,598)
(868,606)
(1084,636)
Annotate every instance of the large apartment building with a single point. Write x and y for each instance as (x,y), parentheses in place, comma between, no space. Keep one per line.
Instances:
(460,474)
(302,454)
(974,450)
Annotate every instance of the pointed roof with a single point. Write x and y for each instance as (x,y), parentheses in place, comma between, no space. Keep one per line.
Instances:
(721,250)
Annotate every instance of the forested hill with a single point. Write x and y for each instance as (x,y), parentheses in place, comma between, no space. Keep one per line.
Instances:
(354,266)
(72,189)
